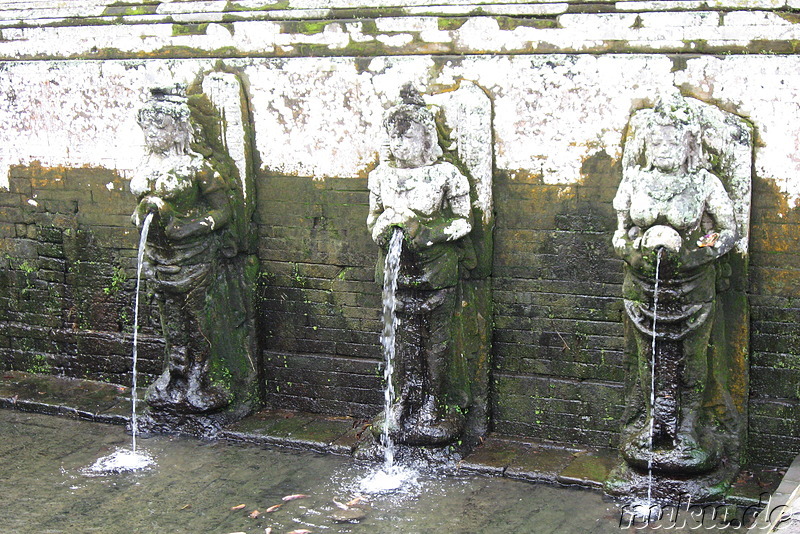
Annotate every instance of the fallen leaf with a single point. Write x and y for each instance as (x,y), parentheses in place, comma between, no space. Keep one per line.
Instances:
(294,497)
(254,514)
(272,508)
(238,507)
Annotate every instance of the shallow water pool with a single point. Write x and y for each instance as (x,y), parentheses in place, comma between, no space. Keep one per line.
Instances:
(45,487)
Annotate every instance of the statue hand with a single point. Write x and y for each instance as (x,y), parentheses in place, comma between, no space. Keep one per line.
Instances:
(388,221)
(180,231)
(149,204)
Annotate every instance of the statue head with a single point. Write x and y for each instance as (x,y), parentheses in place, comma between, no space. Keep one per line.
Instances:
(672,137)
(164,119)
(411,128)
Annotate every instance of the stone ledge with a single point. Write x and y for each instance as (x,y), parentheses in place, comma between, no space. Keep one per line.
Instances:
(211,29)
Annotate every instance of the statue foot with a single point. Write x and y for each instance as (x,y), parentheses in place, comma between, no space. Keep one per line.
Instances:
(184,396)
(380,421)
(428,428)
(686,456)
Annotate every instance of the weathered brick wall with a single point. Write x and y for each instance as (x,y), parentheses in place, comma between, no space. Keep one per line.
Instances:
(67,269)
(558,336)
(774,430)
(320,305)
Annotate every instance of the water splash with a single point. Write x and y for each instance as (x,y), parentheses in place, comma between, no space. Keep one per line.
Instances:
(390,273)
(120,461)
(394,479)
(653,382)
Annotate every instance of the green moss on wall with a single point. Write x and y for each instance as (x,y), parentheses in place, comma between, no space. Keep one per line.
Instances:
(189,29)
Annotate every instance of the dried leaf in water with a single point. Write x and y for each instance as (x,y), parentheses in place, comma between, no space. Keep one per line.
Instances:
(294,497)
(238,507)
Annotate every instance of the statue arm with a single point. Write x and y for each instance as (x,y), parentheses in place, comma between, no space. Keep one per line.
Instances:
(218,215)
(381,219)
(719,208)
(448,226)
(626,245)
(627,237)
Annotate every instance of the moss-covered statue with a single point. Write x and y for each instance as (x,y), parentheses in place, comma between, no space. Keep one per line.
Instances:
(417,190)
(195,263)
(677,222)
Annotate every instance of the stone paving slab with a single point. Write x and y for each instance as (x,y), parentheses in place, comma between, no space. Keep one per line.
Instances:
(286,428)
(497,455)
(84,399)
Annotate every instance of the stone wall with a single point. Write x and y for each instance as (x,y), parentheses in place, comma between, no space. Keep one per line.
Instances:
(317,80)
(67,268)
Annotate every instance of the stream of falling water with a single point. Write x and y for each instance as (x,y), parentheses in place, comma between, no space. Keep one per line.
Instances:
(124,460)
(390,272)
(392,477)
(653,382)
(139,263)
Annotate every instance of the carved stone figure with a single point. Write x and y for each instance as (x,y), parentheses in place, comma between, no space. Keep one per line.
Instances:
(194,260)
(429,199)
(676,224)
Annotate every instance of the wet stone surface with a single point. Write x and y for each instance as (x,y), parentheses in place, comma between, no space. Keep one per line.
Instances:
(65,396)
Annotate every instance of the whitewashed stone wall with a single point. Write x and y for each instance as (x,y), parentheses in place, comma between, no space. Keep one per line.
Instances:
(563,78)
(319,117)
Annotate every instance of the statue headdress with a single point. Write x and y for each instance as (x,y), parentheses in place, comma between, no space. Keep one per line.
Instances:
(412,109)
(170,100)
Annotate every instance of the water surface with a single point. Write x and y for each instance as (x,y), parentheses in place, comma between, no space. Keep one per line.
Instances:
(45,488)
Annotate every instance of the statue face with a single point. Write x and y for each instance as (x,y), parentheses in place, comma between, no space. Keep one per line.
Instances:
(160,132)
(666,148)
(410,144)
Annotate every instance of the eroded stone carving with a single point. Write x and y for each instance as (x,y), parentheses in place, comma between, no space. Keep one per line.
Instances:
(420,189)
(684,183)
(196,263)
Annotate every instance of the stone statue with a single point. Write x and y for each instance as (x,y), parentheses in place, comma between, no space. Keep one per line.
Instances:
(676,224)
(193,257)
(429,199)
